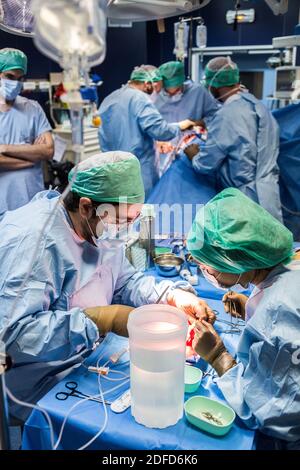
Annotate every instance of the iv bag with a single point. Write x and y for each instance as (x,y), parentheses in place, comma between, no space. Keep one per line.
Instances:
(65,29)
(181,36)
(201,36)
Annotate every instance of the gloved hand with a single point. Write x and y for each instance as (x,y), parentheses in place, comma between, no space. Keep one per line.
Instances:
(191,151)
(165,147)
(200,123)
(112,318)
(235,304)
(191,305)
(208,344)
(186,124)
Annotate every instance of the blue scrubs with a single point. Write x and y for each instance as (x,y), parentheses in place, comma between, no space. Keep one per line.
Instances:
(195,103)
(264,388)
(130,122)
(241,151)
(46,330)
(22,124)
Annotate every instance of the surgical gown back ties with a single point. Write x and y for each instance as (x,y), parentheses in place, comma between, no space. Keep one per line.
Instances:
(242,150)
(48,332)
(264,387)
(195,103)
(130,122)
(22,124)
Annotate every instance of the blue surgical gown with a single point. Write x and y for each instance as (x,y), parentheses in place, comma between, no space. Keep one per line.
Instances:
(195,103)
(241,151)
(47,331)
(264,387)
(22,124)
(131,122)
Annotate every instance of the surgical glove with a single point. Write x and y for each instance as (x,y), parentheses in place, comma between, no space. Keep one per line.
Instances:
(235,304)
(191,151)
(191,305)
(112,318)
(164,147)
(200,123)
(186,124)
(208,344)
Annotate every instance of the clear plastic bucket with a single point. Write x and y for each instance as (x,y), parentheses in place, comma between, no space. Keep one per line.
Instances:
(157,337)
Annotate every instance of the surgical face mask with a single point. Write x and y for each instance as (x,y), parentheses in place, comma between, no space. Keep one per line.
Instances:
(108,231)
(230,92)
(172,98)
(214,281)
(176,98)
(10,89)
(94,239)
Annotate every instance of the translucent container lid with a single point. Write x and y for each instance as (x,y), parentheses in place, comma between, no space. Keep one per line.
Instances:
(157,323)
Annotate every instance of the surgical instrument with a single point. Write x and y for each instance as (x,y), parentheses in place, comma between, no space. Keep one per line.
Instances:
(162,294)
(74,392)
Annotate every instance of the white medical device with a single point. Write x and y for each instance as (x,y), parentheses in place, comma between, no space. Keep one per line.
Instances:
(122,403)
(287,81)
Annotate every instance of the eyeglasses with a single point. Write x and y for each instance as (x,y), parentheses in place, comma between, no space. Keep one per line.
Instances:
(9,76)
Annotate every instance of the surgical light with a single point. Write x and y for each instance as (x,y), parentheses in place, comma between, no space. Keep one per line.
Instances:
(242,16)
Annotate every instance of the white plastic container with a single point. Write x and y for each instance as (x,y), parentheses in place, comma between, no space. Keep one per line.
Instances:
(157,336)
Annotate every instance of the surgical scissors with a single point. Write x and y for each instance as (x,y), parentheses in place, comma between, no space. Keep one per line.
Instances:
(74,392)
(235,326)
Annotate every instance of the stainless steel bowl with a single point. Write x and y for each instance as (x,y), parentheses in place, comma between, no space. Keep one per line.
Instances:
(168,264)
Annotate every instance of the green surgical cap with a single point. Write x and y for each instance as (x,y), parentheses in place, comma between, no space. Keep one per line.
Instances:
(139,74)
(223,78)
(233,234)
(172,74)
(12,59)
(156,75)
(109,177)
(153,71)
(221,71)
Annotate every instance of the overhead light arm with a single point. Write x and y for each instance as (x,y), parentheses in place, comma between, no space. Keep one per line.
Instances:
(279,7)
(180,4)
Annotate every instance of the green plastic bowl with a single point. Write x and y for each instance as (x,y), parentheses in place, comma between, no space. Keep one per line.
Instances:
(192,379)
(195,406)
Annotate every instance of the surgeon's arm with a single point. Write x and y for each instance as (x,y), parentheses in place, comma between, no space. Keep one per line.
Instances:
(263,388)
(38,330)
(10,163)
(209,158)
(136,289)
(153,124)
(41,149)
(219,139)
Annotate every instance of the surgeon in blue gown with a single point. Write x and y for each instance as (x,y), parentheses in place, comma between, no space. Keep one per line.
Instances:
(63,265)
(25,136)
(130,122)
(182,99)
(242,146)
(237,242)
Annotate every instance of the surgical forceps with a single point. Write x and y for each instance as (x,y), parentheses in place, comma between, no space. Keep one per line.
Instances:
(73,391)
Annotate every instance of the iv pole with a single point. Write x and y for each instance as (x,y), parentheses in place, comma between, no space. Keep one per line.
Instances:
(191,39)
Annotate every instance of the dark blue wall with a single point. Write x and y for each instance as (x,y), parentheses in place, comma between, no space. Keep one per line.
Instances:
(266,26)
(126,47)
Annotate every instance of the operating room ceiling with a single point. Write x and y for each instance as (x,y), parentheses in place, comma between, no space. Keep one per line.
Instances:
(16,16)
